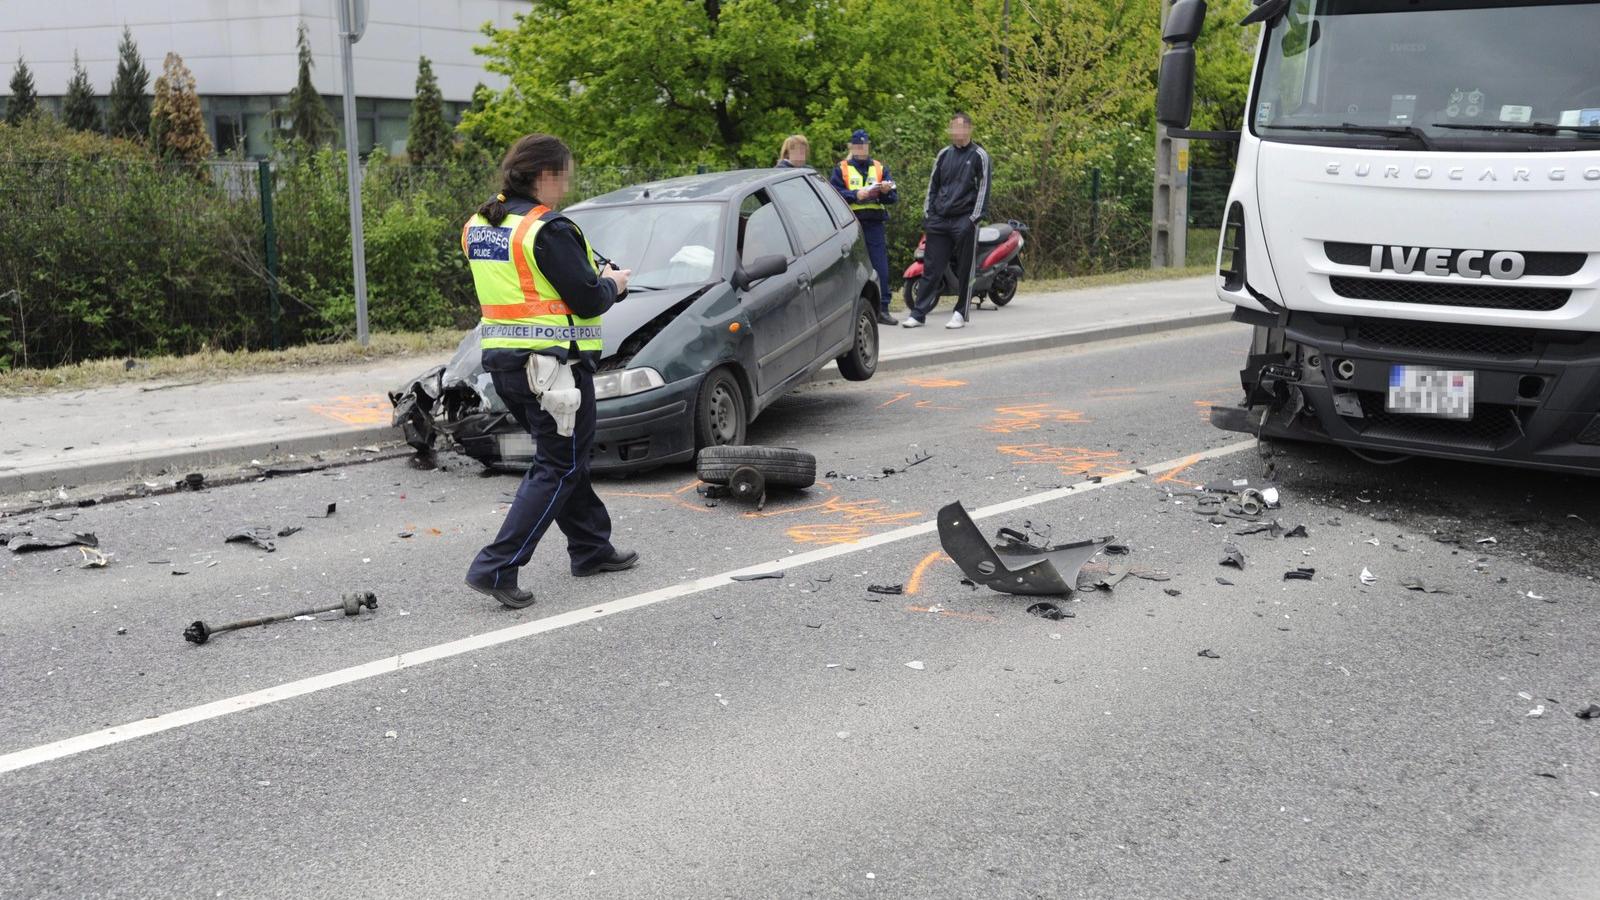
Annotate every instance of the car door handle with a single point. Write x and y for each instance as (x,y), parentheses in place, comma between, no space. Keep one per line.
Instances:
(844,250)
(803,280)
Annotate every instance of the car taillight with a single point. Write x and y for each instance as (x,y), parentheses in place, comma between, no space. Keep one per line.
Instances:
(1230,261)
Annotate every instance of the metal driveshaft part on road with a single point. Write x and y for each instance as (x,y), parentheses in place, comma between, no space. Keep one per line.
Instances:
(351,603)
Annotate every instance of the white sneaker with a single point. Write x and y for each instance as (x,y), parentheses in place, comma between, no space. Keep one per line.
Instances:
(911,322)
(956,321)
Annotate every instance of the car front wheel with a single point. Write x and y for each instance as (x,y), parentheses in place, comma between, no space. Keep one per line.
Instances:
(861,360)
(719,411)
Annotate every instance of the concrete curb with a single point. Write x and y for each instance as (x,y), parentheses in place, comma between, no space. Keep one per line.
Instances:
(170,462)
(142,468)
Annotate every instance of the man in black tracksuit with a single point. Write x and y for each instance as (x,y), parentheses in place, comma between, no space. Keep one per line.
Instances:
(958,190)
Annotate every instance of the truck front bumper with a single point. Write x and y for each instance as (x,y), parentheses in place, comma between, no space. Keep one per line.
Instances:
(1325,378)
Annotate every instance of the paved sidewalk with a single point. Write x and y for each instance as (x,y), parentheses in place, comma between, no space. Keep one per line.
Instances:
(137,431)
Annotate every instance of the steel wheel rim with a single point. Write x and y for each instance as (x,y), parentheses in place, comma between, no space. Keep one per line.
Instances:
(723,414)
(867,339)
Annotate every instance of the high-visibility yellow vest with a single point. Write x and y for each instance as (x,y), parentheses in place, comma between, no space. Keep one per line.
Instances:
(854,182)
(521,309)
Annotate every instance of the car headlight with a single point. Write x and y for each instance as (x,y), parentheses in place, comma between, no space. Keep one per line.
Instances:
(626,383)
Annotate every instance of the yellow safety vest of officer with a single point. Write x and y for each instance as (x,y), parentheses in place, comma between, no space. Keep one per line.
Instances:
(853,182)
(521,309)
(541,344)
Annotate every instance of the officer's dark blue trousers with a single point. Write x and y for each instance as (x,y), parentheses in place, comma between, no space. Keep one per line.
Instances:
(875,233)
(555,491)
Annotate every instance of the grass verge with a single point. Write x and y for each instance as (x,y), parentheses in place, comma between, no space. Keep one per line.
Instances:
(210,364)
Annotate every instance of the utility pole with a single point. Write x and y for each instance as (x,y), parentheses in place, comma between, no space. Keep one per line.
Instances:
(352,24)
(1169,208)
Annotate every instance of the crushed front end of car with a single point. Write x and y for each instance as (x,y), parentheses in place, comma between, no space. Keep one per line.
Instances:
(458,403)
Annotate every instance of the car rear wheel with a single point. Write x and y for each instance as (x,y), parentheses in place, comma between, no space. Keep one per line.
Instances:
(783,467)
(719,411)
(861,360)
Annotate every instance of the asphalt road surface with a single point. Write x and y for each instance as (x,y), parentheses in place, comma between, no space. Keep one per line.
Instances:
(666,733)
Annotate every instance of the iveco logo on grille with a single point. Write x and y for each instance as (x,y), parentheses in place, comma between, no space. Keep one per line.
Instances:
(1503,264)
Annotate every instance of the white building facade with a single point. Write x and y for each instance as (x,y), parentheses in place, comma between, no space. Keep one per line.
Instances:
(242,53)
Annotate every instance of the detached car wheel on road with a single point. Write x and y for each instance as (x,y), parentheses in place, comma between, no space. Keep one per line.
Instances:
(745,285)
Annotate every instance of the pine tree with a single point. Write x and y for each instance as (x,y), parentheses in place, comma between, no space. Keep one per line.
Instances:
(78,109)
(24,100)
(309,121)
(428,140)
(177,129)
(130,105)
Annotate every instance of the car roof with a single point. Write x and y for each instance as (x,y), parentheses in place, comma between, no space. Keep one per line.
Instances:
(710,186)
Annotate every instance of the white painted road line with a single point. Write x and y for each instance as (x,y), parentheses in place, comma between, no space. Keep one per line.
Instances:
(22,759)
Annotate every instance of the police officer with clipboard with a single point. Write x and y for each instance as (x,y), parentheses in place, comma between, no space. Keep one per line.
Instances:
(542,293)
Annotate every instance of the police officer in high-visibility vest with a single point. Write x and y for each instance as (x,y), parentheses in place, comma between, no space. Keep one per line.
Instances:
(864,183)
(542,295)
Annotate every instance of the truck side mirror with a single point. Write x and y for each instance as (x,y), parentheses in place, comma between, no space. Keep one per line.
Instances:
(1175,93)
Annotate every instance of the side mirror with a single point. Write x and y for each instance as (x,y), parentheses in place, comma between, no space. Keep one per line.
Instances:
(759,268)
(1175,90)
(1175,93)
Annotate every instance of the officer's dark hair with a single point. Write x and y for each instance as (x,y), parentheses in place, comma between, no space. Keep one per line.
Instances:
(963,117)
(531,156)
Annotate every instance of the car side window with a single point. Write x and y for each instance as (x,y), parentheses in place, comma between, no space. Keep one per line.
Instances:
(842,215)
(761,231)
(806,211)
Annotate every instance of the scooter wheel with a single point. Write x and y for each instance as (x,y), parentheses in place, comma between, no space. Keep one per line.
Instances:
(910,291)
(1003,289)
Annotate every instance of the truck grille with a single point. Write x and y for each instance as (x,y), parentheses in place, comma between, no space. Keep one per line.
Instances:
(1388,333)
(1546,264)
(1491,427)
(1523,299)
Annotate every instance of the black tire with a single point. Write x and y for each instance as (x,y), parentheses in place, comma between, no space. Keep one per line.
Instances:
(910,292)
(720,413)
(861,360)
(1003,289)
(783,467)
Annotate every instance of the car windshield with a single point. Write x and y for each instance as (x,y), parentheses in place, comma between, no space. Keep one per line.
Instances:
(663,243)
(1454,74)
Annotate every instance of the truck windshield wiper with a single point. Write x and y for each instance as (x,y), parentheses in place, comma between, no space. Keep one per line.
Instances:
(1520,127)
(1410,131)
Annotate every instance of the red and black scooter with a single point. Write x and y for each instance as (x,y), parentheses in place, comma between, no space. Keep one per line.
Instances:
(996,267)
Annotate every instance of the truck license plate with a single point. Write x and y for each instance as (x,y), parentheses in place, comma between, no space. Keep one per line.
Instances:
(1442,393)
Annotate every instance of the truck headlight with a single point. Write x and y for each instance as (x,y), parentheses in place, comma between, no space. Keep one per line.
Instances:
(626,382)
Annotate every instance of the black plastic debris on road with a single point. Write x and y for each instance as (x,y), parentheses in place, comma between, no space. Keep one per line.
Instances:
(1413,583)
(1050,611)
(1014,564)
(1299,531)
(193,481)
(1231,556)
(1300,574)
(759,576)
(1172,592)
(1208,653)
(1224,582)
(1592,711)
(886,589)
(332,508)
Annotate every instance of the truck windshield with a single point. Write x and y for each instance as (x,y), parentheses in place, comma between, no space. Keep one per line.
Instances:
(1452,75)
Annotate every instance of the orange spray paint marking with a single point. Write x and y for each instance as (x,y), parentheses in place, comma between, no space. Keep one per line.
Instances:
(851,520)
(931,381)
(1172,474)
(897,399)
(1030,417)
(371,409)
(1066,460)
(914,583)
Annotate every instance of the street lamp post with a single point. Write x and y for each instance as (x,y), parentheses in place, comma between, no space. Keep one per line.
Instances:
(352,24)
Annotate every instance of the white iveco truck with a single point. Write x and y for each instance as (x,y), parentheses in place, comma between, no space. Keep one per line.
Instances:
(1414,225)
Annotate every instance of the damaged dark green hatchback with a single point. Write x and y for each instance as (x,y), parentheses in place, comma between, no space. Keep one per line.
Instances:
(745,285)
